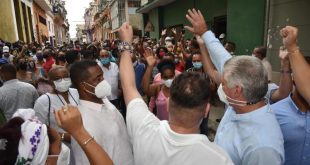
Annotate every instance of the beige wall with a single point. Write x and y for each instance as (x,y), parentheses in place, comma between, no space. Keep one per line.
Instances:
(7,27)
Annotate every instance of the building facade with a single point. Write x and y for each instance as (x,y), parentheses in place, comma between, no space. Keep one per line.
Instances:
(17,20)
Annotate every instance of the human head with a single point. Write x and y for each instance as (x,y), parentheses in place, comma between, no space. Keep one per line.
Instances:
(85,74)
(6,51)
(194,46)
(168,40)
(166,68)
(39,139)
(72,56)
(230,47)
(104,56)
(169,56)
(161,52)
(39,55)
(61,58)
(59,75)
(170,47)
(259,52)
(7,72)
(47,53)
(245,79)
(189,97)
(196,60)
(22,64)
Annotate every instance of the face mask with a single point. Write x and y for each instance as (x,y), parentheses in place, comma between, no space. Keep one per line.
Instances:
(162,54)
(63,85)
(64,155)
(197,65)
(223,97)
(253,55)
(102,90)
(168,83)
(6,54)
(176,60)
(45,56)
(105,61)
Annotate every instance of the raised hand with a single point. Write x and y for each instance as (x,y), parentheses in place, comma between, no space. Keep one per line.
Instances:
(125,33)
(149,57)
(69,119)
(174,31)
(198,22)
(164,32)
(289,37)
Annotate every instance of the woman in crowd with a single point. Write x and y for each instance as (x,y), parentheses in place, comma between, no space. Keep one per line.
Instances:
(161,91)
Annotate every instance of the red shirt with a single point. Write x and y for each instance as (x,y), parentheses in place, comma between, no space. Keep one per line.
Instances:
(179,66)
(47,65)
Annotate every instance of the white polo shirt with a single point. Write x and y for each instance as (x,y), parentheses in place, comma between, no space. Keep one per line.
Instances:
(106,124)
(154,143)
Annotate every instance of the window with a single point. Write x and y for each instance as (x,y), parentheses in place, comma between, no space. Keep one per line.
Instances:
(42,20)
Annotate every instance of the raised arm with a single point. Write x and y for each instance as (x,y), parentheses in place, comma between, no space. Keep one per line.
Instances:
(149,89)
(126,68)
(219,55)
(71,121)
(207,63)
(162,38)
(286,83)
(299,65)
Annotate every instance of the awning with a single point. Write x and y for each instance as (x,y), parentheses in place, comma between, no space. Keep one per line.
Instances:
(153,4)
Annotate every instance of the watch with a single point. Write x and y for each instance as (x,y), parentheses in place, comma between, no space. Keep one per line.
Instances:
(122,46)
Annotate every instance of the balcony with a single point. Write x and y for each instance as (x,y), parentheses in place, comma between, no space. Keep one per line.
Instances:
(44,4)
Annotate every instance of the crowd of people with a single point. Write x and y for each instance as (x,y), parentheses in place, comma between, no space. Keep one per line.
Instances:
(138,101)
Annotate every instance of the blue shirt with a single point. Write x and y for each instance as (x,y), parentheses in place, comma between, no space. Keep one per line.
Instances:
(295,126)
(139,72)
(251,138)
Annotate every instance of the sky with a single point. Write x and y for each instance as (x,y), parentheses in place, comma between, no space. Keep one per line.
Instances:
(75,13)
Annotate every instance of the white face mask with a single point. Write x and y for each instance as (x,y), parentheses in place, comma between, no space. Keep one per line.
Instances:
(102,90)
(223,97)
(63,84)
(64,155)
(168,82)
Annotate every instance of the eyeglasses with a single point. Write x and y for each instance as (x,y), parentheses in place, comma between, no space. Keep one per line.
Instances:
(60,79)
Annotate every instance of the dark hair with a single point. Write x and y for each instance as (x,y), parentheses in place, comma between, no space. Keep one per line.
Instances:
(11,131)
(262,51)
(194,44)
(22,64)
(72,56)
(9,70)
(232,45)
(158,49)
(165,64)
(190,90)
(79,71)
(88,54)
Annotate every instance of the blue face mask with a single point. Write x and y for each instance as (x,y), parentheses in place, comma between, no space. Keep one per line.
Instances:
(197,65)
(105,61)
